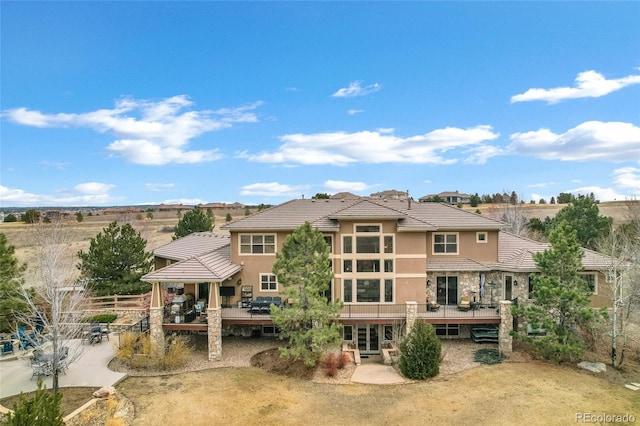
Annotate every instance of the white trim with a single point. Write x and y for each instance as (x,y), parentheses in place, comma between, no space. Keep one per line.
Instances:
(482,241)
(251,235)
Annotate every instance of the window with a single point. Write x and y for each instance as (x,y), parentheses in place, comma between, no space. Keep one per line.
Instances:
(347,291)
(367,228)
(329,240)
(268,282)
(445,243)
(368,244)
(447,329)
(388,291)
(481,237)
(257,244)
(388,332)
(591,282)
(347,265)
(347,332)
(368,265)
(368,291)
(531,289)
(388,244)
(347,244)
(388,265)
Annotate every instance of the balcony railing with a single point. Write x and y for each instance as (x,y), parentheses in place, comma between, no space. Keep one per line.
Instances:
(382,311)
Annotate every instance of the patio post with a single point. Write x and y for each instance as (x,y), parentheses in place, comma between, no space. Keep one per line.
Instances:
(214,320)
(156,313)
(506,327)
(411,313)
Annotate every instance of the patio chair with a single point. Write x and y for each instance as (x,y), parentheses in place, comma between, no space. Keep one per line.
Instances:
(7,347)
(265,308)
(104,330)
(95,333)
(465,303)
(277,300)
(39,369)
(431,305)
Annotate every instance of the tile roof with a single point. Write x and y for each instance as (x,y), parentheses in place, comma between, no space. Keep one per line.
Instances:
(437,264)
(213,266)
(192,245)
(324,214)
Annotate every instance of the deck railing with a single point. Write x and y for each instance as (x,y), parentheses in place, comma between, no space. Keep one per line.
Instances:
(119,301)
(382,311)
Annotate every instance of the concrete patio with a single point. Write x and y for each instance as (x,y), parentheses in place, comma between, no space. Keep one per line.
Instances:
(90,369)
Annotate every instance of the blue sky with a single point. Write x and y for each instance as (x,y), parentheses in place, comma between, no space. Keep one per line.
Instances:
(123,103)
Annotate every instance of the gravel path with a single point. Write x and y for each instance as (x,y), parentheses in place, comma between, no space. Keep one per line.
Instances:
(237,352)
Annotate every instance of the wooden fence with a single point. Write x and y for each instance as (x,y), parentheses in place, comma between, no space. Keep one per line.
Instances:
(138,302)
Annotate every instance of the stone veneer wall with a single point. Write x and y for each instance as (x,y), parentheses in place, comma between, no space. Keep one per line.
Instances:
(155,329)
(214,333)
(505,340)
(411,313)
(470,281)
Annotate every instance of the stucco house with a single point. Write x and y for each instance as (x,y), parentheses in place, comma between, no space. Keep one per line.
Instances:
(389,258)
(451,197)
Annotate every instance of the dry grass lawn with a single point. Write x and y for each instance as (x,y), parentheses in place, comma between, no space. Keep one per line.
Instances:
(512,393)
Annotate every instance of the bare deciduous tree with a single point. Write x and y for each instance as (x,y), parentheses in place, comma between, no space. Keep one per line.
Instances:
(623,278)
(55,304)
(511,212)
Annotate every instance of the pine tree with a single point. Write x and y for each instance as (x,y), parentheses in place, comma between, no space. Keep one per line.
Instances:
(41,410)
(561,298)
(11,304)
(420,352)
(309,321)
(116,260)
(194,220)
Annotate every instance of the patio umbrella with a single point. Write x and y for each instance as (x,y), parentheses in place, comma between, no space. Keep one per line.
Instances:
(482,279)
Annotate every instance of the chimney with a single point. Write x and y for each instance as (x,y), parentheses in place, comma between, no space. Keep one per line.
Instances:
(408,200)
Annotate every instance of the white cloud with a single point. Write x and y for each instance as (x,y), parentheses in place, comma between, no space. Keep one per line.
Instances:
(157,187)
(628,178)
(355,89)
(185,201)
(354,111)
(84,194)
(147,132)
(540,185)
(589,141)
(342,148)
(589,84)
(273,189)
(335,186)
(602,194)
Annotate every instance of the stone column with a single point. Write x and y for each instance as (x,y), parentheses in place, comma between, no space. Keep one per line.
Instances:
(214,333)
(411,314)
(506,327)
(156,332)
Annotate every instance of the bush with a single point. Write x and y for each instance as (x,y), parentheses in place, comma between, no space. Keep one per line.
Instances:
(41,410)
(420,352)
(104,318)
(137,352)
(343,360)
(330,364)
(488,356)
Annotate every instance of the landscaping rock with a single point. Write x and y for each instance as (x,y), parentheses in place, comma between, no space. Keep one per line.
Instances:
(596,367)
(104,392)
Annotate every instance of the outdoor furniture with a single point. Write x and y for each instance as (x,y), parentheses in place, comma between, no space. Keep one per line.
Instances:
(40,368)
(95,333)
(465,303)
(7,347)
(431,305)
(104,330)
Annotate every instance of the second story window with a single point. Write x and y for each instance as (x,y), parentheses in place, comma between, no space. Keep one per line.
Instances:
(257,244)
(445,243)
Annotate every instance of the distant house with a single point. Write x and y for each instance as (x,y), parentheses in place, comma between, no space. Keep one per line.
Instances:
(222,206)
(447,197)
(173,207)
(390,194)
(118,210)
(344,196)
(389,259)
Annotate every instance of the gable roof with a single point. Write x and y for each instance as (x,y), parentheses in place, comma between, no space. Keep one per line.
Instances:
(192,245)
